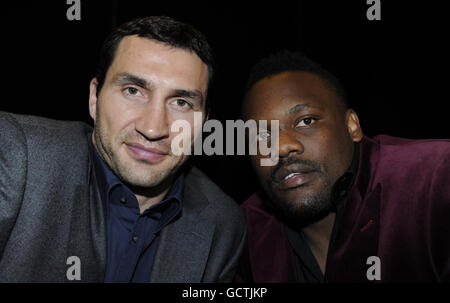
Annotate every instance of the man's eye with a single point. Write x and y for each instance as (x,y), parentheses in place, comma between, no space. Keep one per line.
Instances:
(132,91)
(182,103)
(306,122)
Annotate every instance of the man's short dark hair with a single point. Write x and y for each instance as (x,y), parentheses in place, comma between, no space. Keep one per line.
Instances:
(288,61)
(160,28)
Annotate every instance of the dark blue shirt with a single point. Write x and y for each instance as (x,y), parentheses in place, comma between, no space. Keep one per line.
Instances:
(132,237)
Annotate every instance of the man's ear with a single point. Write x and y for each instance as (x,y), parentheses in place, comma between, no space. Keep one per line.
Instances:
(353,127)
(93,98)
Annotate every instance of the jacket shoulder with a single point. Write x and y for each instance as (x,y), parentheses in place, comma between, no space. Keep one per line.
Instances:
(13,173)
(45,129)
(401,146)
(413,156)
(49,139)
(11,128)
(55,150)
(413,174)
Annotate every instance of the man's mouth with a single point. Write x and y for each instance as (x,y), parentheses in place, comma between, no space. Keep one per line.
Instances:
(295,179)
(294,174)
(144,153)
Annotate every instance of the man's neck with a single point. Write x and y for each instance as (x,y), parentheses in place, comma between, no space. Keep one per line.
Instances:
(318,236)
(146,202)
(148,197)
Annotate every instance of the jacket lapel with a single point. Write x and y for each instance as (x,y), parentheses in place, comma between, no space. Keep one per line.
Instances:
(357,238)
(88,229)
(97,217)
(185,243)
(271,256)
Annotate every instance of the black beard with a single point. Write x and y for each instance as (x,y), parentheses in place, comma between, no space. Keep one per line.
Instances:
(306,211)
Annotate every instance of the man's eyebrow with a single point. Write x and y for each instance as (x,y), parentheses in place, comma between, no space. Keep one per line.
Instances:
(129,78)
(298,107)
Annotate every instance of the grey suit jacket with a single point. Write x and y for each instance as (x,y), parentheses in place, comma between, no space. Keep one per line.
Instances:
(50,209)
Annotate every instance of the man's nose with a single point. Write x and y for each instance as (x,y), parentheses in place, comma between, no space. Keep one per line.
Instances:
(289,143)
(153,122)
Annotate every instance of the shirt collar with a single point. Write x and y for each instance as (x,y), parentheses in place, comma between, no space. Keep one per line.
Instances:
(100,170)
(106,176)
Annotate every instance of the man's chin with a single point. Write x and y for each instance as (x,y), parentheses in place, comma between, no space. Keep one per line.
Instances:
(301,216)
(144,180)
(302,209)
(292,198)
(148,176)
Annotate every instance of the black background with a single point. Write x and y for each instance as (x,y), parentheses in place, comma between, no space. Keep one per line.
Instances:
(395,71)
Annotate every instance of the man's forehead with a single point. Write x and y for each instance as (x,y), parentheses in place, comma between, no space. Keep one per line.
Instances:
(287,93)
(293,84)
(149,58)
(140,50)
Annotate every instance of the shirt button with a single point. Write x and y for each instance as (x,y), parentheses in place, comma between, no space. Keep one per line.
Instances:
(123,200)
(135,238)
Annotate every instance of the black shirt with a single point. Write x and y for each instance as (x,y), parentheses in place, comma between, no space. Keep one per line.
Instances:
(307,269)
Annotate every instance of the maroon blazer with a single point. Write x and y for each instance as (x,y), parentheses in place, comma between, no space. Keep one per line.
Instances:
(398,210)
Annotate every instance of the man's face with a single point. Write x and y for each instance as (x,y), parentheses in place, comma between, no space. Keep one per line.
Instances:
(148,86)
(315,142)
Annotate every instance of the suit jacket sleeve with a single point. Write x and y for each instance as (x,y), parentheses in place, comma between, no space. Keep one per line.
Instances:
(13,169)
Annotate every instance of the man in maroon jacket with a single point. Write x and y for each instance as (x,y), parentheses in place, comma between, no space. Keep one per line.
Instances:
(339,206)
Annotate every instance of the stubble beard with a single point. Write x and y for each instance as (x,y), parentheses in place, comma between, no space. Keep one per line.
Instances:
(306,210)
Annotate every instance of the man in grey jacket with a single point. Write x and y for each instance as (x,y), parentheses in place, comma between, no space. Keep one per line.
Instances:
(115,203)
